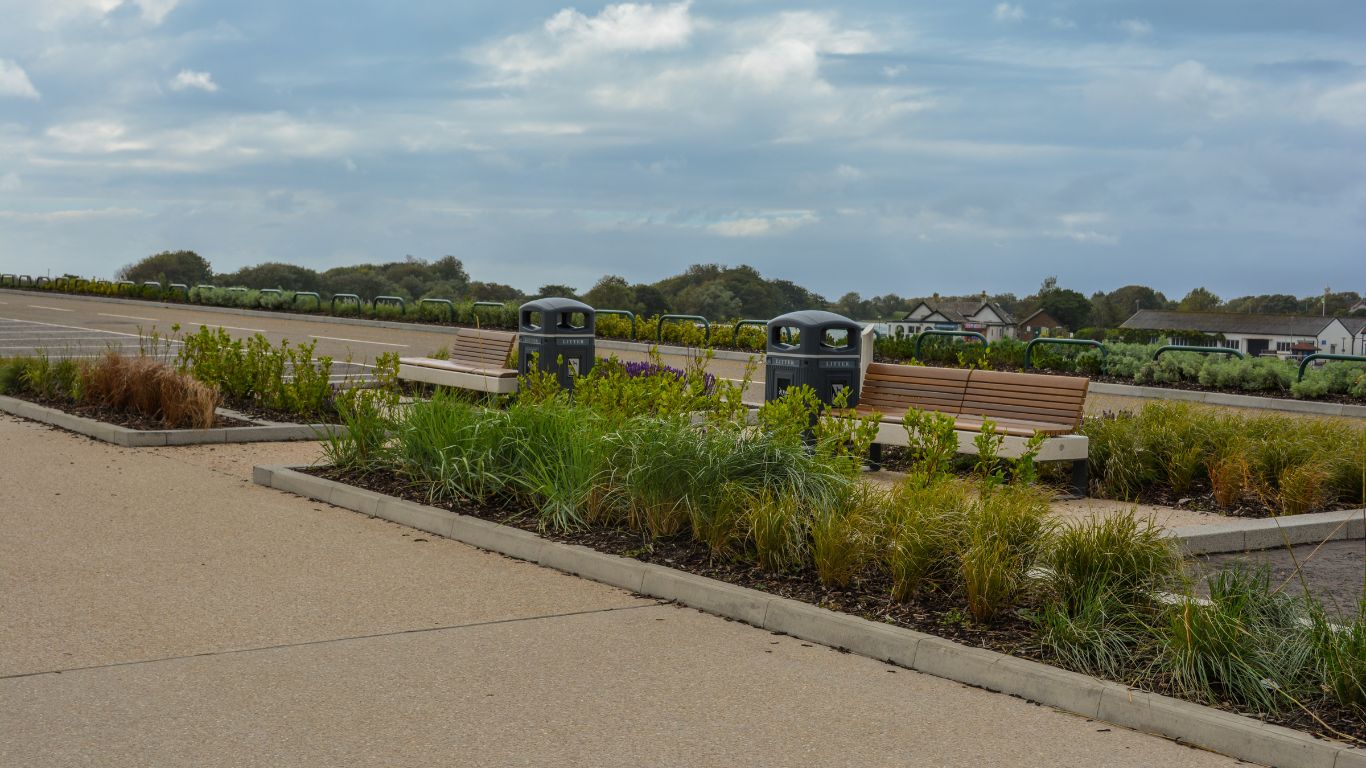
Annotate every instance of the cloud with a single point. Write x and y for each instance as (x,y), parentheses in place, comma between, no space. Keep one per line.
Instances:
(93,137)
(569,36)
(56,217)
(1192,86)
(1008,14)
(1058,22)
(14,81)
(762,225)
(189,78)
(1136,27)
(10,182)
(1345,105)
(50,14)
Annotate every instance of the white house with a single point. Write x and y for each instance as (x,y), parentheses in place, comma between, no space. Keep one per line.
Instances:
(1280,335)
(985,317)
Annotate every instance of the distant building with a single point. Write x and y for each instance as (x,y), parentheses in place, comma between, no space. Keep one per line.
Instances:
(1039,324)
(985,317)
(1254,335)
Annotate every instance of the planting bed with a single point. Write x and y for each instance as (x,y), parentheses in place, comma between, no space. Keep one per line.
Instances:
(126,419)
(935,613)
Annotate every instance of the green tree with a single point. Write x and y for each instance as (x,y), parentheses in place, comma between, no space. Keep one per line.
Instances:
(1071,308)
(612,292)
(480,291)
(273,274)
(559,291)
(185,267)
(1199,300)
(712,300)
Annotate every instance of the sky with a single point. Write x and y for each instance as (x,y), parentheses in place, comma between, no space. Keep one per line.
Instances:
(870,146)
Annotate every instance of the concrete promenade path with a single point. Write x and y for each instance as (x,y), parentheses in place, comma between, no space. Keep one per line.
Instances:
(157,609)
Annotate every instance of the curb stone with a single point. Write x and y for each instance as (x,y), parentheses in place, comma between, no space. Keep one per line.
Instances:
(153,438)
(1269,533)
(1193,724)
(1228,399)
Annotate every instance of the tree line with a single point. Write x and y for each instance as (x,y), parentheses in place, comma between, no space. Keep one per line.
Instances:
(711,290)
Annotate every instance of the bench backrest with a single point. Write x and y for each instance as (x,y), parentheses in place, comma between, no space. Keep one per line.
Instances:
(1025,396)
(488,349)
(895,388)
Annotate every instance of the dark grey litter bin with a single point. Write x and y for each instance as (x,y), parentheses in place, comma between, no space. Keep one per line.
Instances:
(559,334)
(815,348)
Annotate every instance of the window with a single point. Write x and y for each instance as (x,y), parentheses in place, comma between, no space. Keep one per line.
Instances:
(1230,344)
(1175,342)
(1283,346)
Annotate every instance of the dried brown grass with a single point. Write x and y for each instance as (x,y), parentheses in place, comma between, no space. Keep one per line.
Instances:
(146,386)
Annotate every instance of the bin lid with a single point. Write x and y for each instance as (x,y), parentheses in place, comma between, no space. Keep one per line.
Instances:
(810,318)
(554,304)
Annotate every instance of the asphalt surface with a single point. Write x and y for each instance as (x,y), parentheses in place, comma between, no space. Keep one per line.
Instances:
(1334,573)
(74,326)
(158,609)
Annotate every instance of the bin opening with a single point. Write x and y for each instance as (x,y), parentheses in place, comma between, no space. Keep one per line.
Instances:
(784,337)
(532,320)
(573,321)
(835,339)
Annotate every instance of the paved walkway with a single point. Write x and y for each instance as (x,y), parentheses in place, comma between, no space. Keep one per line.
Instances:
(156,609)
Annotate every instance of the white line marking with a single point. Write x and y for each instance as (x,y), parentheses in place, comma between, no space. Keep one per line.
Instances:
(129,317)
(54,309)
(82,328)
(360,341)
(228,327)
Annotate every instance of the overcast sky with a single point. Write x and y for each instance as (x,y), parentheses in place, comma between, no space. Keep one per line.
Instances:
(867,146)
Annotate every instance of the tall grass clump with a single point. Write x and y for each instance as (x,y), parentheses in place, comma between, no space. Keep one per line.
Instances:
(1100,579)
(1246,645)
(1289,465)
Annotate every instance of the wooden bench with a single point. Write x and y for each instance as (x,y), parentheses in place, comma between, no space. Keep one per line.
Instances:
(478,361)
(1019,404)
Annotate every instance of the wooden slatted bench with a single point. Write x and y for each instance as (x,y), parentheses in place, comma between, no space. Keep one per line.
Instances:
(1019,404)
(478,361)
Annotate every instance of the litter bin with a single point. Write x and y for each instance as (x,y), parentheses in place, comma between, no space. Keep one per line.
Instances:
(558,333)
(815,348)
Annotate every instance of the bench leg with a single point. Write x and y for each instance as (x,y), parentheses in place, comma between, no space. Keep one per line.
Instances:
(1081,477)
(875,457)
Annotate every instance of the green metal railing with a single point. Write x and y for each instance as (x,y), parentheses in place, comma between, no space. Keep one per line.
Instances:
(61,283)
(735,329)
(12,279)
(122,286)
(623,313)
(262,293)
(41,281)
(183,288)
(447,303)
(317,300)
(22,278)
(1029,348)
(494,304)
(920,338)
(1202,350)
(402,305)
(706,325)
(1327,356)
(152,283)
(348,297)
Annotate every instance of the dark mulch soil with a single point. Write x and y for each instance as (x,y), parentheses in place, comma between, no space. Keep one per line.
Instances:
(938,614)
(120,418)
(247,408)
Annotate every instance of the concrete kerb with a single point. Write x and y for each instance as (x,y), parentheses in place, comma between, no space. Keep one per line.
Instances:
(1193,724)
(151,438)
(1228,399)
(1269,533)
